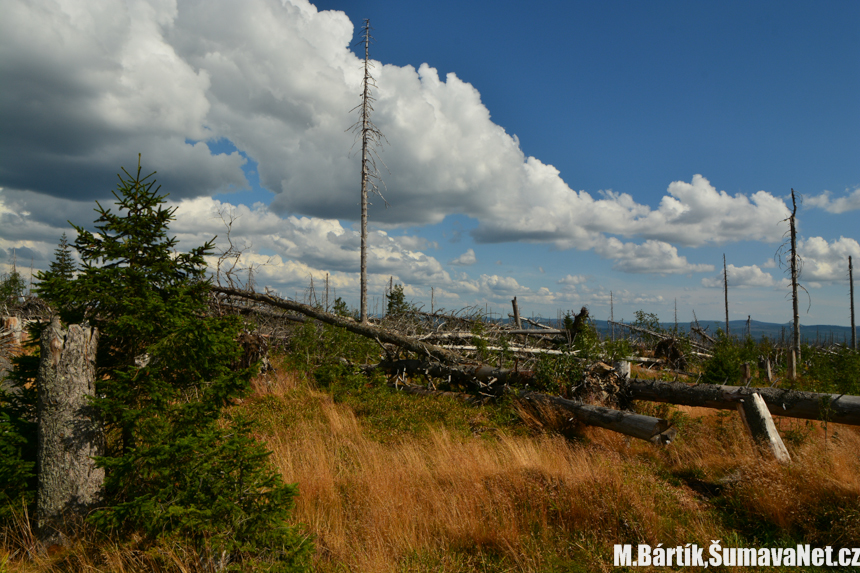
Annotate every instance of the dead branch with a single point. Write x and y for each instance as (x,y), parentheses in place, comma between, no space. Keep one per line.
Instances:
(363,329)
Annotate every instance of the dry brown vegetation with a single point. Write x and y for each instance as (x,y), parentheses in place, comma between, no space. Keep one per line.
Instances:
(541,502)
(483,496)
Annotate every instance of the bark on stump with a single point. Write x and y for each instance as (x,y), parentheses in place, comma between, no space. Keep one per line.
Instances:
(70,434)
(759,424)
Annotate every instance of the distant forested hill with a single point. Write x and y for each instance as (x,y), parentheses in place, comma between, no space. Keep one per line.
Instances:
(809,333)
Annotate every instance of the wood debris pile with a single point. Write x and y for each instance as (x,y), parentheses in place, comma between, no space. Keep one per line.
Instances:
(466,353)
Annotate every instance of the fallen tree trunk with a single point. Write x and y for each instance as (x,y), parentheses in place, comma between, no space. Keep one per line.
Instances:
(511,349)
(536,324)
(349,324)
(648,428)
(660,335)
(478,375)
(535,332)
(789,403)
(249,310)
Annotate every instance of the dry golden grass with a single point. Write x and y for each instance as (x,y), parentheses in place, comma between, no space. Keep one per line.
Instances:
(534,503)
(439,500)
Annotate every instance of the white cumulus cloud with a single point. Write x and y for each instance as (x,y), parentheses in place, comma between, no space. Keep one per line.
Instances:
(573,280)
(850,202)
(825,261)
(87,85)
(467,258)
(746,276)
(650,257)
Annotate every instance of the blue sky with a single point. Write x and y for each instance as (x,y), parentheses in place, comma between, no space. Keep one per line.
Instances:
(576,149)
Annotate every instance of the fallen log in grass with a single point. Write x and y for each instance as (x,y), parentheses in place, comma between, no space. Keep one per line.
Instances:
(475,375)
(839,408)
(648,428)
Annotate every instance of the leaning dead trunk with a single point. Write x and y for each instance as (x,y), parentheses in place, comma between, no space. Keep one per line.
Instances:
(789,403)
(368,330)
(762,430)
(70,434)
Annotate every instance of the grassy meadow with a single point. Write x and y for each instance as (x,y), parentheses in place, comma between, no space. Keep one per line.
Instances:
(402,483)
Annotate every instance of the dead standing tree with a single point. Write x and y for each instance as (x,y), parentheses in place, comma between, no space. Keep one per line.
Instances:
(851,296)
(70,433)
(726,291)
(371,138)
(795,266)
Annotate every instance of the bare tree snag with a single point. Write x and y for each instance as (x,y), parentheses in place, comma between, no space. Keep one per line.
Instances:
(851,296)
(726,290)
(517,321)
(792,364)
(70,434)
(371,137)
(792,222)
(768,373)
(761,428)
(837,408)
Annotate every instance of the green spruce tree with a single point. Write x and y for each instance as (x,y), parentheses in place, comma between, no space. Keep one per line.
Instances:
(177,464)
(59,274)
(396,302)
(12,287)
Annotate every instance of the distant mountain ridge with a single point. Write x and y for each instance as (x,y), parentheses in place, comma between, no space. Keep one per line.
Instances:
(812,334)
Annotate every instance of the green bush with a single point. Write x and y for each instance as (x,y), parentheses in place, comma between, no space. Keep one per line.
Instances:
(833,370)
(724,366)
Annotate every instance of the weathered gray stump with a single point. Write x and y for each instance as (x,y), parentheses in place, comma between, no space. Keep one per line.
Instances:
(622,369)
(792,365)
(759,424)
(70,433)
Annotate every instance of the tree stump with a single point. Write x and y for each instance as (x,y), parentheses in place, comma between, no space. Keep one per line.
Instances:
(70,434)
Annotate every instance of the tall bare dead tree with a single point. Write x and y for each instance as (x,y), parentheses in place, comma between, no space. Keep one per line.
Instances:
(795,267)
(851,294)
(726,291)
(792,221)
(371,139)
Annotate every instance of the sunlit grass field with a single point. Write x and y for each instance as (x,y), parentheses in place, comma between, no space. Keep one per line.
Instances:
(390,481)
